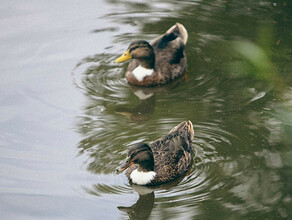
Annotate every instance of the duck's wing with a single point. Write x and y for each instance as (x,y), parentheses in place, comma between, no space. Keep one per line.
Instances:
(172,156)
(176,32)
(170,57)
(169,47)
(175,149)
(180,153)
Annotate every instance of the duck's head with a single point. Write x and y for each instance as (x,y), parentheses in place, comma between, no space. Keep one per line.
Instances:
(140,50)
(140,154)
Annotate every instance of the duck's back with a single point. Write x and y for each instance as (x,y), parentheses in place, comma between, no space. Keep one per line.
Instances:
(170,57)
(172,156)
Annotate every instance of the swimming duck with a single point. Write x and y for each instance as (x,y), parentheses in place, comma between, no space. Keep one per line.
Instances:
(157,62)
(164,160)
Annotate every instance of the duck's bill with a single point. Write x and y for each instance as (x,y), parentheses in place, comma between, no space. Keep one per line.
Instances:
(124,165)
(124,57)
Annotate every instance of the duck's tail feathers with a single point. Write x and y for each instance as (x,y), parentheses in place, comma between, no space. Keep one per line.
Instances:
(181,29)
(185,126)
(183,32)
(190,129)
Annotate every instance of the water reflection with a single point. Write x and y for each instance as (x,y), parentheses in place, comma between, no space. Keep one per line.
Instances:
(142,208)
(141,112)
(240,105)
(240,108)
(236,170)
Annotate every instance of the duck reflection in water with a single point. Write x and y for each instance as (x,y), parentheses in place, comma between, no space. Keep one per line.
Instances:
(147,96)
(141,112)
(143,207)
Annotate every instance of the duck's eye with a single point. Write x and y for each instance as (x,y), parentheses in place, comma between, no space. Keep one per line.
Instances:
(134,48)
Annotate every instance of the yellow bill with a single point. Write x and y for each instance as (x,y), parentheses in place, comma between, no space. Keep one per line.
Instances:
(124,57)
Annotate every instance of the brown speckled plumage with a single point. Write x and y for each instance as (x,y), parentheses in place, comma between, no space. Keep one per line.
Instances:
(172,154)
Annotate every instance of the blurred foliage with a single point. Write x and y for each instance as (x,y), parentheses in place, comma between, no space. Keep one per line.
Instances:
(257,57)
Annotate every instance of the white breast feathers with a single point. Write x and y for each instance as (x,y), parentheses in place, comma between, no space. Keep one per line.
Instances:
(140,72)
(142,178)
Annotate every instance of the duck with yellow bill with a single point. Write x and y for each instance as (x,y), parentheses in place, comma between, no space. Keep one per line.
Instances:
(158,62)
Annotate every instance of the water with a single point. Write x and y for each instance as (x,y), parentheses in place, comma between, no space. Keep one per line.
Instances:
(68,115)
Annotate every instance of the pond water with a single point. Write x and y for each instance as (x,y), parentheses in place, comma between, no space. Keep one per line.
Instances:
(68,115)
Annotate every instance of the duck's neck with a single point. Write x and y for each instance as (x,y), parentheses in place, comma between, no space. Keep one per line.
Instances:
(147,63)
(145,67)
(142,178)
(141,72)
(146,166)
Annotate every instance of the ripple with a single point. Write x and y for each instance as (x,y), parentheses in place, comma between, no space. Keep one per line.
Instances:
(225,174)
(99,189)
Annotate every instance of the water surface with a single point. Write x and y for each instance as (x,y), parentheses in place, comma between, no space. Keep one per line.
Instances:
(68,115)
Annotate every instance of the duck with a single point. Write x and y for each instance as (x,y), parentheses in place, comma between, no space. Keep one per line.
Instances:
(164,160)
(158,62)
